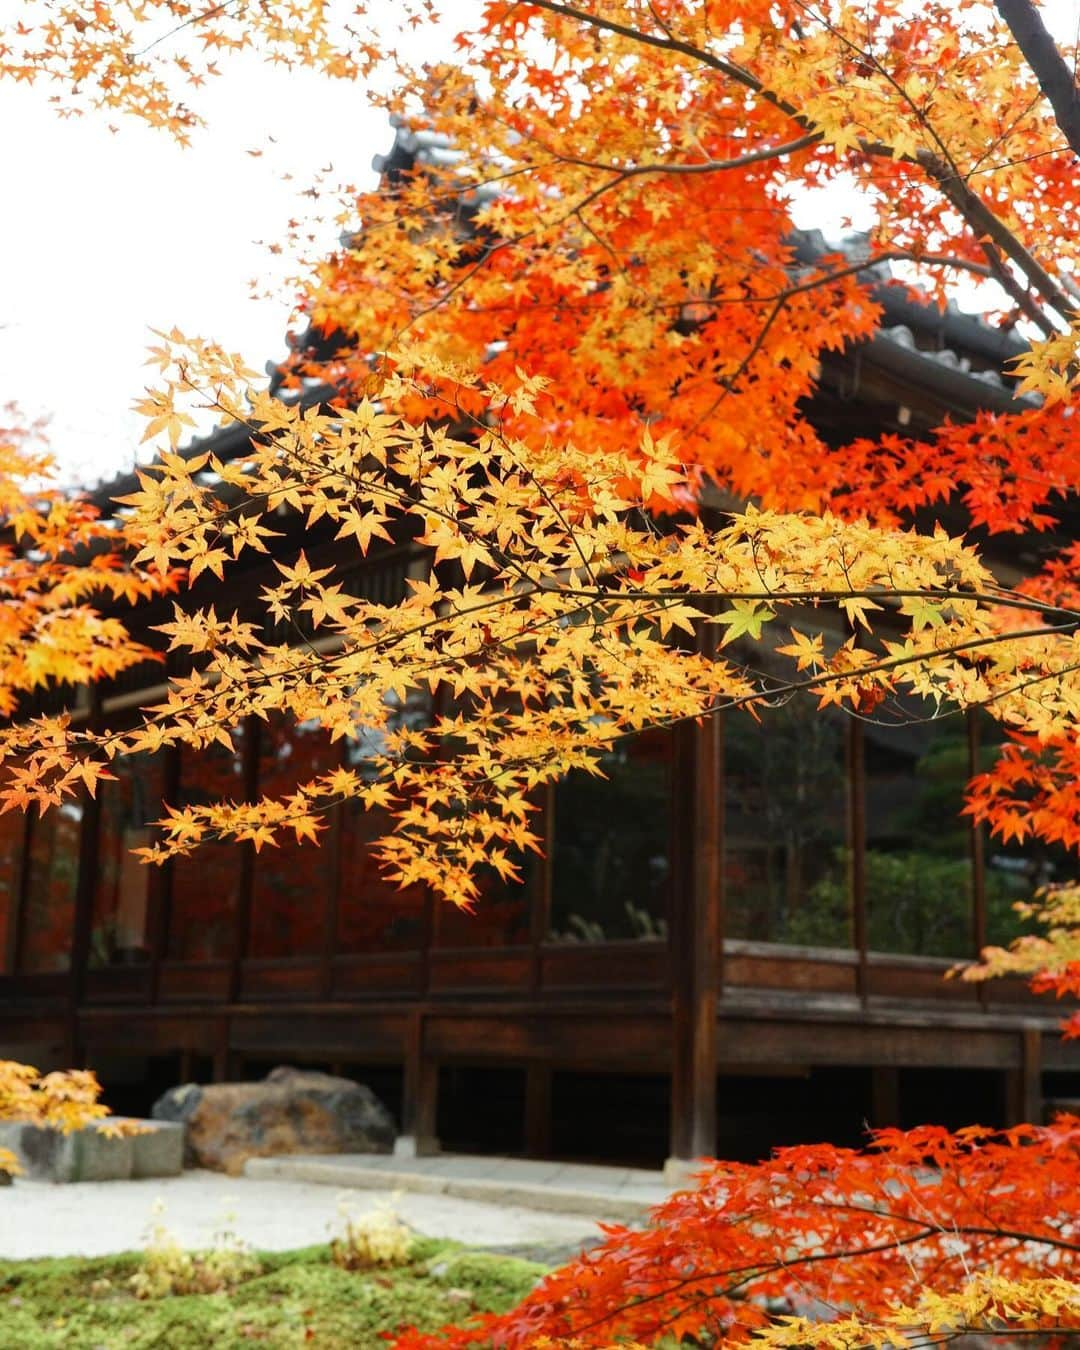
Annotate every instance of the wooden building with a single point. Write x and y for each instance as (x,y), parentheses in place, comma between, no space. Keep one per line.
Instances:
(740,940)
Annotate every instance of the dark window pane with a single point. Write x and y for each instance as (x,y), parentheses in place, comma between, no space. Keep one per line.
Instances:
(120,931)
(611,860)
(374,915)
(12,832)
(785,783)
(918,845)
(294,882)
(205,883)
(50,898)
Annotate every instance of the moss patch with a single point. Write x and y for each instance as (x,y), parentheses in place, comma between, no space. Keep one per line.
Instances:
(299,1300)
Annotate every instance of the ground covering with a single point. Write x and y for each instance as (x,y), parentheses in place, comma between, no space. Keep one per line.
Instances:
(300,1298)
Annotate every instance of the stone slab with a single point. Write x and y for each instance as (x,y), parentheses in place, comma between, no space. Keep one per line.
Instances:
(94,1153)
(495,1183)
(158,1149)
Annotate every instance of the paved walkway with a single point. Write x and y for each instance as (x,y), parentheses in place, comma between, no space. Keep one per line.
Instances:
(570,1188)
(96,1218)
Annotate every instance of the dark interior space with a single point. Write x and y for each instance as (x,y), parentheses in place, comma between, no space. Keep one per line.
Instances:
(610,1118)
(952,1097)
(132,1083)
(481,1110)
(758,1113)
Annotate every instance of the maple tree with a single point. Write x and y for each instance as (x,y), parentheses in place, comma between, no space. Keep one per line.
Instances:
(920,1238)
(560,343)
(602,230)
(580,315)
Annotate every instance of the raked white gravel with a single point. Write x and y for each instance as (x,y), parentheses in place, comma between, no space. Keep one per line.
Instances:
(95,1218)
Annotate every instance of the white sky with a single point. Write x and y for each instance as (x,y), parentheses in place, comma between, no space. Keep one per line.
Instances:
(106,235)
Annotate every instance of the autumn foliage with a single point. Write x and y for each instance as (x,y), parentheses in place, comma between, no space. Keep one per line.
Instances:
(63,1100)
(576,326)
(572,346)
(921,1237)
(60,564)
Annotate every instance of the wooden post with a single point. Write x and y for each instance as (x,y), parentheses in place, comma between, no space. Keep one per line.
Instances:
(246,882)
(884,1096)
(1024,1083)
(696,941)
(538,1111)
(541,893)
(860,927)
(83,915)
(17,920)
(420,1096)
(332,901)
(978,859)
(161,883)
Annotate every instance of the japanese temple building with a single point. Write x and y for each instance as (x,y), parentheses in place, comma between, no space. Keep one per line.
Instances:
(740,940)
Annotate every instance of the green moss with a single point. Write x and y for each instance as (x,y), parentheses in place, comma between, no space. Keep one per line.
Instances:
(299,1300)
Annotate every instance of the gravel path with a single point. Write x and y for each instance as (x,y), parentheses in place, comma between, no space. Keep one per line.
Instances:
(96,1218)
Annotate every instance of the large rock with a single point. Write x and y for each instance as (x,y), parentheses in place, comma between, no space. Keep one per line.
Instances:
(291,1111)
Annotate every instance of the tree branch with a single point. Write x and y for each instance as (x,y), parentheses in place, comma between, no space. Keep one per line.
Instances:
(1040,51)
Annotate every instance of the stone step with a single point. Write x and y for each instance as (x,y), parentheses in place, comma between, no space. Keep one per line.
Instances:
(564,1194)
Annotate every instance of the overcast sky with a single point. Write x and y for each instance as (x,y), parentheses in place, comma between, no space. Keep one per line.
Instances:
(106,235)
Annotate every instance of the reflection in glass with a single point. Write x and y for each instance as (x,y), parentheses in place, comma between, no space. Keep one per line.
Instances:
(500,917)
(918,845)
(786,824)
(373,914)
(12,832)
(293,882)
(49,916)
(611,860)
(120,933)
(205,883)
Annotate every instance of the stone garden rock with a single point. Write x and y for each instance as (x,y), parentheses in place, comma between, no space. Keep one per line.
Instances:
(290,1111)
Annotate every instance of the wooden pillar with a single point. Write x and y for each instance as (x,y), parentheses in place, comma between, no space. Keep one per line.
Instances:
(538,1111)
(187,1066)
(331,901)
(1024,1083)
(83,915)
(979,936)
(420,1096)
(17,920)
(221,1061)
(245,885)
(884,1096)
(160,882)
(696,939)
(541,891)
(860,926)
